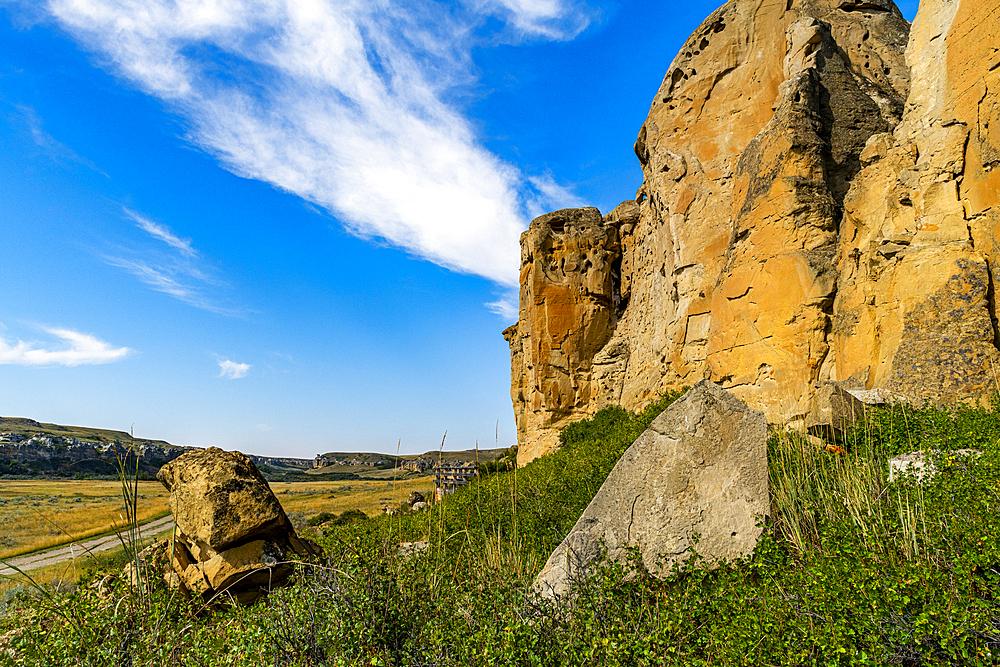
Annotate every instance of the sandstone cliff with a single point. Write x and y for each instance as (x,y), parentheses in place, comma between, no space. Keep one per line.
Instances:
(816,206)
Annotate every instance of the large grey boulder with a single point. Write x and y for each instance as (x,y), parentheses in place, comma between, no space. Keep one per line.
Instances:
(700,468)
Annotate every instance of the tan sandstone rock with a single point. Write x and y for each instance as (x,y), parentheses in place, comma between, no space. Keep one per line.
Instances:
(805,218)
(261,563)
(915,308)
(218,499)
(232,534)
(700,468)
(835,410)
(568,299)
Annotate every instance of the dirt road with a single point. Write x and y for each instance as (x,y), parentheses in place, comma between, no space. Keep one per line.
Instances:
(63,554)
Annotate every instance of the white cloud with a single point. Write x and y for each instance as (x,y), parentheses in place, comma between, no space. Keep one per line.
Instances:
(161,232)
(78,349)
(54,148)
(264,427)
(344,104)
(232,370)
(549,19)
(506,307)
(179,270)
(551,196)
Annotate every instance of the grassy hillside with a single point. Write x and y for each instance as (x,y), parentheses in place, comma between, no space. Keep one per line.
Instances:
(30,427)
(850,570)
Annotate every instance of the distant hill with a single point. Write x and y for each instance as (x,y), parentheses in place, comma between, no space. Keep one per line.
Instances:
(30,427)
(39,450)
(34,449)
(415,463)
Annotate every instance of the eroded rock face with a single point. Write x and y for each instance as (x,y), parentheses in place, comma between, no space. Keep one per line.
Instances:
(700,467)
(769,106)
(569,272)
(915,308)
(232,534)
(805,217)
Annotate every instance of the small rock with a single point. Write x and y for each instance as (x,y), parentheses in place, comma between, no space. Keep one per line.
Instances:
(921,464)
(415,497)
(877,396)
(834,411)
(411,548)
(416,507)
(260,563)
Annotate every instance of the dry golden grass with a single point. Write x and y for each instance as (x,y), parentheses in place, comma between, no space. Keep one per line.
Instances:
(64,573)
(38,514)
(310,498)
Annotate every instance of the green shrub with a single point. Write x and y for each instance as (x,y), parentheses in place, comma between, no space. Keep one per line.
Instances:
(850,570)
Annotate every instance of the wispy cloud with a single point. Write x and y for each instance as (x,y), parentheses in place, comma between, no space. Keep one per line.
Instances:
(178,270)
(547,19)
(345,104)
(550,195)
(232,370)
(52,147)
(77,349)
(161,232)
(506,307)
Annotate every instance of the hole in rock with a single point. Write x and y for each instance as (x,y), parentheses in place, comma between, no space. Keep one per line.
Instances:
(862,6)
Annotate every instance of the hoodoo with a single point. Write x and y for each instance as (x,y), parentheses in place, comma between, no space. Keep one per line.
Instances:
(817,206)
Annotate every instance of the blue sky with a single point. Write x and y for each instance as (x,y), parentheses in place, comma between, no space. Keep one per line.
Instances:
(290,226)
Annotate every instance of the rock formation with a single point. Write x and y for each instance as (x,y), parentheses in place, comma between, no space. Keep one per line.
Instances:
(916,311)
(922,465)
(700,467)
(232,534)
(806,216)
(30,448)
(569,262)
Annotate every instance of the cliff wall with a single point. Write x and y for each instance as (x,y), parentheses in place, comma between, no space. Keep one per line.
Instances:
(817,206)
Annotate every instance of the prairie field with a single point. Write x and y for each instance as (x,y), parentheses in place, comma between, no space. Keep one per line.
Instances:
(39,514)
(309,498)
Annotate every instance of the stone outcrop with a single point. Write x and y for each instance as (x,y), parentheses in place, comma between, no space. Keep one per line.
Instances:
(568,274)
(232,534)
(916,309)
(807,215)
(35,449)
(700,468)
(835,410)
